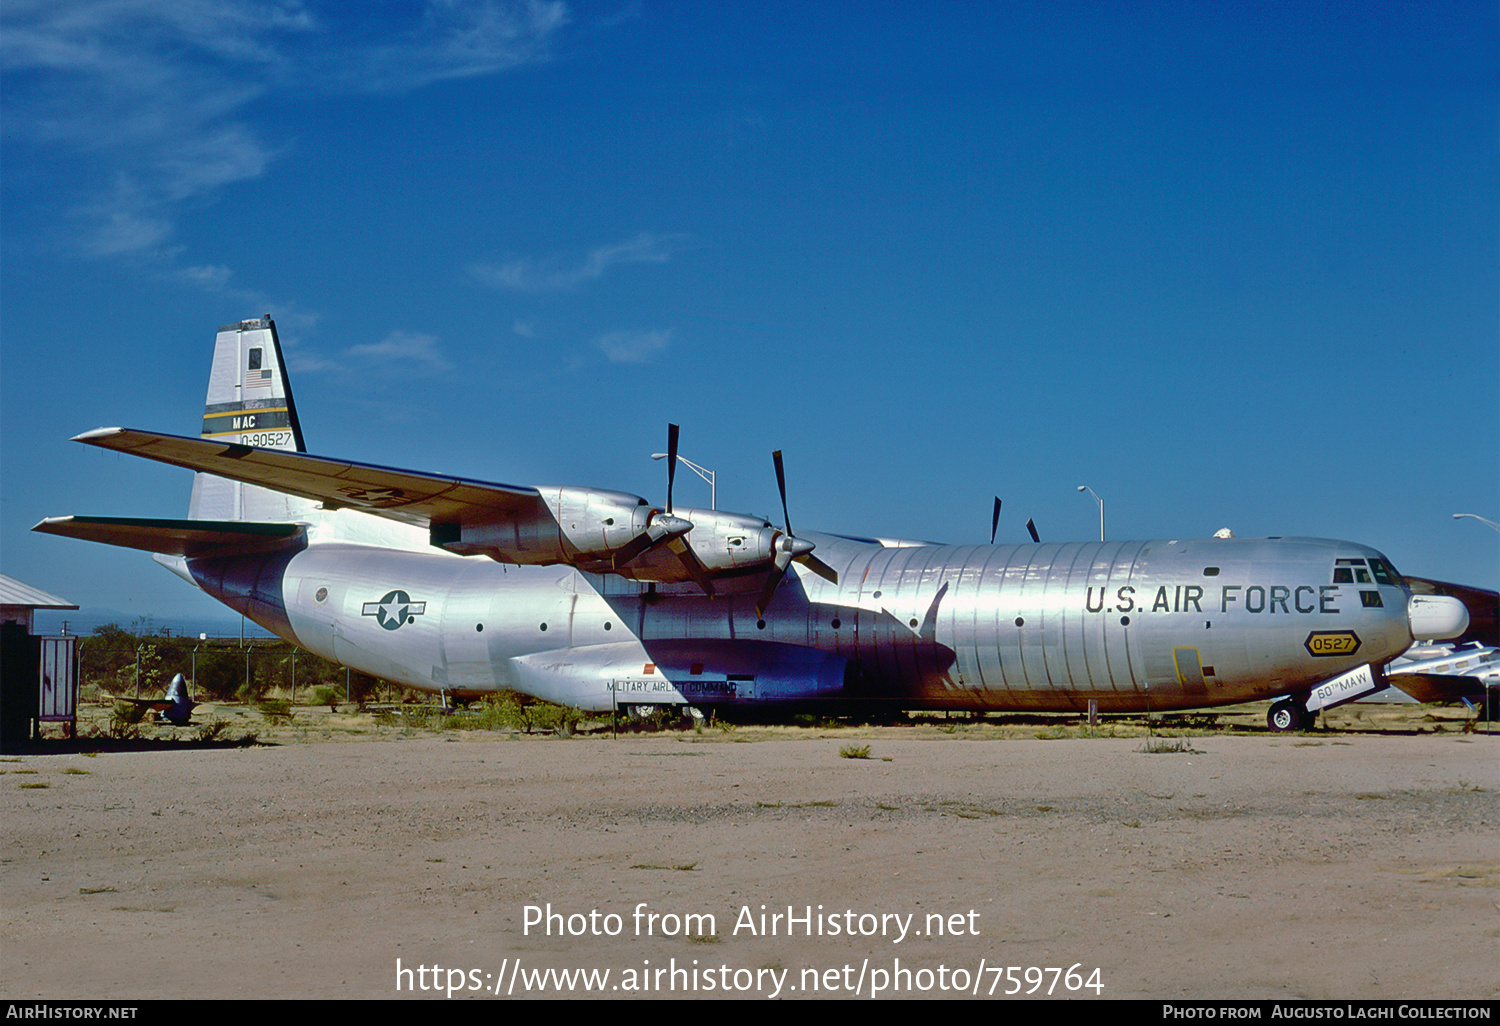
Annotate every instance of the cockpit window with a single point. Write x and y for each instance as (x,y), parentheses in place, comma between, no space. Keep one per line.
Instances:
(1375,570)
(1349,571)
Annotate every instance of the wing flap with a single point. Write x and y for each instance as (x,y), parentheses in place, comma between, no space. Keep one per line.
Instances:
(408,496)
(174,537)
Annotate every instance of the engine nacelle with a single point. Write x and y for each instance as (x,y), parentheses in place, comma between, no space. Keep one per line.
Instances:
(586,525)
(601,531)
(725,543)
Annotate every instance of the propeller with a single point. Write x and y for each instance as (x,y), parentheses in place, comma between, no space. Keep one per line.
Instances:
(671,463)
(995,520)
(788,548)
(675,528)
(1031,526)
(661,529)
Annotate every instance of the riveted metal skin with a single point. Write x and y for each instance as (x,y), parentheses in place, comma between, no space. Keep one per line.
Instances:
(595,598)
(1129,625)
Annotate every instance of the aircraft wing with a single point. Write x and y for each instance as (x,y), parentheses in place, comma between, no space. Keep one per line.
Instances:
(1437,688)
(173,537)
(404,495)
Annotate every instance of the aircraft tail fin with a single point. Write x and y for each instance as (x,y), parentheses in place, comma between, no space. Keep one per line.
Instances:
(250,403)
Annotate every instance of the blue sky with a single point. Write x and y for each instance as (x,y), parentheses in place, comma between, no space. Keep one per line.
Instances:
(1228,265)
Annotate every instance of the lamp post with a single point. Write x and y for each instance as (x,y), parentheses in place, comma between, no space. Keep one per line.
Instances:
(1476,516)
(707,475)
(1086,488)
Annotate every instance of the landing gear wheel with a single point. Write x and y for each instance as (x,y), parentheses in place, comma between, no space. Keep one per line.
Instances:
(1288,715)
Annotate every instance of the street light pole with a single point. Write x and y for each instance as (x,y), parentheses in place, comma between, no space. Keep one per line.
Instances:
(1086,488)
(1476,516)
(707,475)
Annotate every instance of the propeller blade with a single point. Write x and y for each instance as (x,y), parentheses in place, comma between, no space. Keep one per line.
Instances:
(1031,526)
(660,529)
(789,548)
(769,590)
(692,564)
(995,520)
(671,462)
(781,484)
(819,567)
(633,548)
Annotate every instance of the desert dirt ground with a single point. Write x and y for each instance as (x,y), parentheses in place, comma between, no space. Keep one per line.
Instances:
(1359,861)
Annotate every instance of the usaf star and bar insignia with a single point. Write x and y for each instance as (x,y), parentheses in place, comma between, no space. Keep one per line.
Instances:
(395,609)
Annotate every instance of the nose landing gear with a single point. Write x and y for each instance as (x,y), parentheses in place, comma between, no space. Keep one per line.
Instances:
(1290,715)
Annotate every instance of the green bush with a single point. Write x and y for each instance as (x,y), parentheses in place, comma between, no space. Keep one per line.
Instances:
(275,710)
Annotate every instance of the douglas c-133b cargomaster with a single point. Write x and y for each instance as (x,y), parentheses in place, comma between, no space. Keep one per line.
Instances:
(598,599)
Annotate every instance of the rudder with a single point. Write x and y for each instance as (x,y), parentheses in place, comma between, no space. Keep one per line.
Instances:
(250,403)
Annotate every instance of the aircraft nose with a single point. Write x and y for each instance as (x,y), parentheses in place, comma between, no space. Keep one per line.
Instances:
(1436,616)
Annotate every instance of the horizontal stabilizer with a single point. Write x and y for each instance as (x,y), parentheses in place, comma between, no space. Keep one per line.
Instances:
(405,495)
(174,537)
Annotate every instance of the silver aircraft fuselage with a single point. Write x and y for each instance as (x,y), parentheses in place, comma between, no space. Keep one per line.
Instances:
(596,598)
(1129,625)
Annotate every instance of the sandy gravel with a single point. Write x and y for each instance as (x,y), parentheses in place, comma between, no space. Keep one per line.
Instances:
(1263,866)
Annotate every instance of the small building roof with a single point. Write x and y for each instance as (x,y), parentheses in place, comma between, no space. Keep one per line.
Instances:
(17,593)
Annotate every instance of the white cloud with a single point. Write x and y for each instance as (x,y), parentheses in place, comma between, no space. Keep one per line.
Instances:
(210,277)
(126,231)
(147,101)
(525,274)
(461,39)
(631,11)
(139,97)
(400,348)
(633,346)
(311,363)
